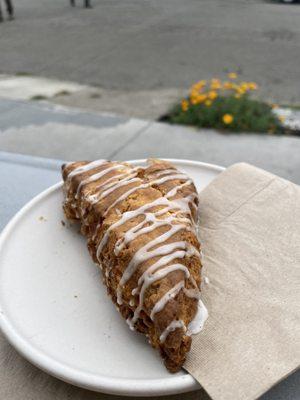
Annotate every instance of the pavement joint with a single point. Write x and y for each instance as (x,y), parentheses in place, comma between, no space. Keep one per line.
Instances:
(130,140)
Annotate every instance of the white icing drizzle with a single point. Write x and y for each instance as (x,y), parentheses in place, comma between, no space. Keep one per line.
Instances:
(206,280)
(161,201)
(84,168)
(150,279)
(96,176)
(93,198)
(197,324)
(171,294)
(114,183)
(163,261)
(139,229)
(131,327)
(192,293)
(144,254)
(77,171)
(194,327)
(174,191)
(164,172)
(171,328)
(123,182)
(159,270)
(167,252)
(145,186)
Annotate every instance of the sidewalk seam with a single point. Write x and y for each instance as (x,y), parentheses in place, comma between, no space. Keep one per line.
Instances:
(131,140)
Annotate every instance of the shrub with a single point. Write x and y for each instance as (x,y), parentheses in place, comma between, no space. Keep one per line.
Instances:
(225,105)
(38,97)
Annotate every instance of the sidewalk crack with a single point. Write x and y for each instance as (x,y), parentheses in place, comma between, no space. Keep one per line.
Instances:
(129,141)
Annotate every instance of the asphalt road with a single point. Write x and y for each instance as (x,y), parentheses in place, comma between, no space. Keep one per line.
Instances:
(156,44)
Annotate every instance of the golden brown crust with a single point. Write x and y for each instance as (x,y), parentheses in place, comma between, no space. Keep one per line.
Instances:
(99,219)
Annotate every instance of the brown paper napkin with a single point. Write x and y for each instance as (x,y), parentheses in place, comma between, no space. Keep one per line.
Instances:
(250,232)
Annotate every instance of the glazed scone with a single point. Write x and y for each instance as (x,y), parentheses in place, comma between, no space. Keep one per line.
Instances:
(140,224)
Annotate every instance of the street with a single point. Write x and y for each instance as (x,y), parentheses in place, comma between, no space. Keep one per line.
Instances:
(136,45)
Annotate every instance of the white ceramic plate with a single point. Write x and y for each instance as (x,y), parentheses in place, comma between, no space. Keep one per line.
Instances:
(54,309)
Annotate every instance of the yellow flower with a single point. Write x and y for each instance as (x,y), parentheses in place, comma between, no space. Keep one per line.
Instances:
(184,105)
(198,98)
(194,93)
(202,97)
(215,84)
(195,88)
(208,103)
(227,119)
(252,86)
(245,86)
(228,85)
(237,96)
(212,95)
(281,118)
(232,75)
(240,90)
(198,86)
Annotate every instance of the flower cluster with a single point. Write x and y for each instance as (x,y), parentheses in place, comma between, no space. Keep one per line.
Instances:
(205,93)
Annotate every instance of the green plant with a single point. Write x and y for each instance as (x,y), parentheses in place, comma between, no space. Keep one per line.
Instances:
(38,97)
(95,95)
(62,93)
(23,73)
(226,106)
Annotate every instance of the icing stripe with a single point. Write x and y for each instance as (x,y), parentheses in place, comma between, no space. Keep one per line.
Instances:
(86,167)
(176,215)
(95,177)
(171,294)
(171,328)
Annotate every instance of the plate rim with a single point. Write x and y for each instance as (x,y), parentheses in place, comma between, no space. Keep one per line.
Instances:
(95,382)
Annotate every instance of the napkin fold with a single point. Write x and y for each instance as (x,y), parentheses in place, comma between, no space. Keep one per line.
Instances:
(250,234)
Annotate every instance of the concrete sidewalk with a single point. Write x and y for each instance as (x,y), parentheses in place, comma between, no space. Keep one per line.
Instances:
(148,104)
(42,129)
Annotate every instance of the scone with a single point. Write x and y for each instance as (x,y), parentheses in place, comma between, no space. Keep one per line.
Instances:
(140,225)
